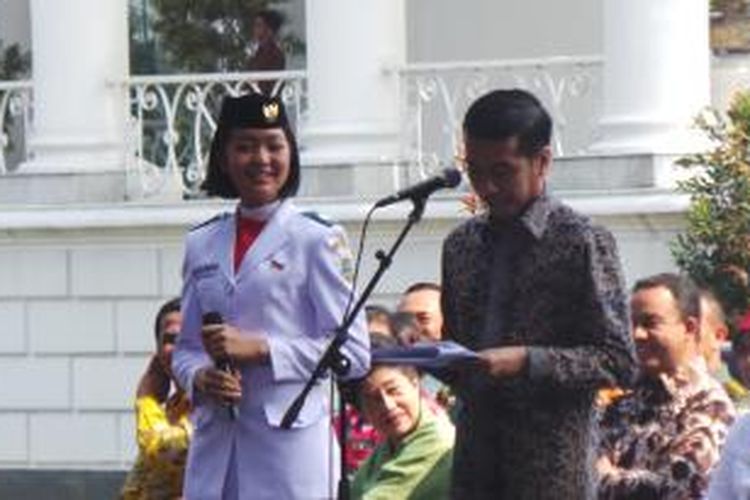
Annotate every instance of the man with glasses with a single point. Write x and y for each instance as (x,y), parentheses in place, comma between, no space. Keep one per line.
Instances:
(662,439)
(537,290)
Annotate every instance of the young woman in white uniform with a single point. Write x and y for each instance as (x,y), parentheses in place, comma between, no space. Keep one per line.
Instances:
(277,279)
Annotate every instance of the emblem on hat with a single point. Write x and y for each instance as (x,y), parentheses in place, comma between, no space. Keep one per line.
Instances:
(271,112)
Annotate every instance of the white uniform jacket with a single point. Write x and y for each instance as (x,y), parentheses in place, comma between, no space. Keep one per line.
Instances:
(291,290)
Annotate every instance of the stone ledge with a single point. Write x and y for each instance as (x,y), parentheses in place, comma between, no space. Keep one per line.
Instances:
(60,484)
(63,187)
(616,172)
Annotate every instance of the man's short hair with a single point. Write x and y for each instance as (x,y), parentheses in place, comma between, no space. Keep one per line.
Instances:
(684,291)
(402,321)
(421,286)
(713,302)
(377,312)
(503,114)
(170,306)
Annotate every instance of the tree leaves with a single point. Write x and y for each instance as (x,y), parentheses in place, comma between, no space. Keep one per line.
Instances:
(715,247)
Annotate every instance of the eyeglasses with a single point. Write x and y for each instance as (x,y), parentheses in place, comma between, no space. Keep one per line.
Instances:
(498,174)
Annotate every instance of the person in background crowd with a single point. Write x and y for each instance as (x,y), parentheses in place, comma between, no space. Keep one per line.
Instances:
(362,437)
(406,328)
(730,480)
(662,439)
(414,461)
(738,364)
(536,289)
(277,280)
(713,331)
(378,320)
(267,54)
(423,297)
(423,301)
(162,426)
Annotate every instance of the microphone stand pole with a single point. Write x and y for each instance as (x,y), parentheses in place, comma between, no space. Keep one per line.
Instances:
(332,357)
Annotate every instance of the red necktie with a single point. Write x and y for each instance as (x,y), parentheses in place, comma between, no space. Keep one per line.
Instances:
(247,231)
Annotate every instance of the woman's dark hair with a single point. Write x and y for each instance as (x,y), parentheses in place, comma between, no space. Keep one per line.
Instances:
(172,305)
(240,113)
(504,114)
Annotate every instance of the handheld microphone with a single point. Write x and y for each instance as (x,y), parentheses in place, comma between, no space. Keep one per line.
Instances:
(225,365)
(450,178)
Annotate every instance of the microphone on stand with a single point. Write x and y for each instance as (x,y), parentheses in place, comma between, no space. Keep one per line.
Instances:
(450,178)
(225,365)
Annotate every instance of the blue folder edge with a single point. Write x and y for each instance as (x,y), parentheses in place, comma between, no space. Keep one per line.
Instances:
(424,354)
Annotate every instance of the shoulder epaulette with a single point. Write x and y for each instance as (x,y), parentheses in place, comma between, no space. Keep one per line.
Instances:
(315,216)
(213,219)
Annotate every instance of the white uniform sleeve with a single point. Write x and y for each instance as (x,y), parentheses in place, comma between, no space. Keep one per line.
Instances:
(730,479)
(189,355)
(294,358)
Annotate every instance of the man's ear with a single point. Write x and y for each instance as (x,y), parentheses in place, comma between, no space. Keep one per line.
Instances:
(722,332)
(544,159)
(693,328)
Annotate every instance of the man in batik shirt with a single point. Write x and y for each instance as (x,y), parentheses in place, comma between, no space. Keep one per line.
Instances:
(163,429)
(662,439)
(536,288)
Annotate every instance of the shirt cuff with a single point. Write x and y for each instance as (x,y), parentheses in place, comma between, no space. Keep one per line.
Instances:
(279,356)
(539,366)
(194,396)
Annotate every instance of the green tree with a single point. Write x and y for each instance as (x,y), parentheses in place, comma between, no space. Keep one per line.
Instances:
(714,249)
(200,36)
(14,62)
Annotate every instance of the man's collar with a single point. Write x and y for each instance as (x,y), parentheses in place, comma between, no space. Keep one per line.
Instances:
(535,217)
(687,379)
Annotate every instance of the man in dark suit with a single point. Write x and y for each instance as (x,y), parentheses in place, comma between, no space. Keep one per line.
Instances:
(537,290)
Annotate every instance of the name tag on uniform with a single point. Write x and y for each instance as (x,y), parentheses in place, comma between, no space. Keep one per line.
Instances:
(206,270)
(211,287)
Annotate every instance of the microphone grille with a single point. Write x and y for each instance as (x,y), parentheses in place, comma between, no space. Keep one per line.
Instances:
(452,177)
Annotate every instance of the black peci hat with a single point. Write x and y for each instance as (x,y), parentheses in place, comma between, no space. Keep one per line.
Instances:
(252,111)
(248,111)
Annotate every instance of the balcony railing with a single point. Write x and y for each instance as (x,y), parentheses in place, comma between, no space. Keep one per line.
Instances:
(174,118)
(15,116)
(435,97)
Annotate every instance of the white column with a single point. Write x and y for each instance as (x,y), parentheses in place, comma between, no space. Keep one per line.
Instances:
(80,53)
(656,75)
(354,103)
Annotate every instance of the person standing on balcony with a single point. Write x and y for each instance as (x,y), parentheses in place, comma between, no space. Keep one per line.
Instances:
(537,290)
(276,280)
(266,53)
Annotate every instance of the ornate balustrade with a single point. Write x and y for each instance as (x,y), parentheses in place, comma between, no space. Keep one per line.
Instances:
(436,96)
(15,114)
(174,118)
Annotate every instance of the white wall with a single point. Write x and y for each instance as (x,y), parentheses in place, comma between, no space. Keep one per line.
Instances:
(79,290)
(15,26)
(77,308)
(447,30)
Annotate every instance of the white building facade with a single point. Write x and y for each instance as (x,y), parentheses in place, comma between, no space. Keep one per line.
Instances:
(91,229)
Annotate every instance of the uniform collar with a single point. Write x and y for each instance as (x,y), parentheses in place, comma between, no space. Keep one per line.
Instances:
(261,213)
